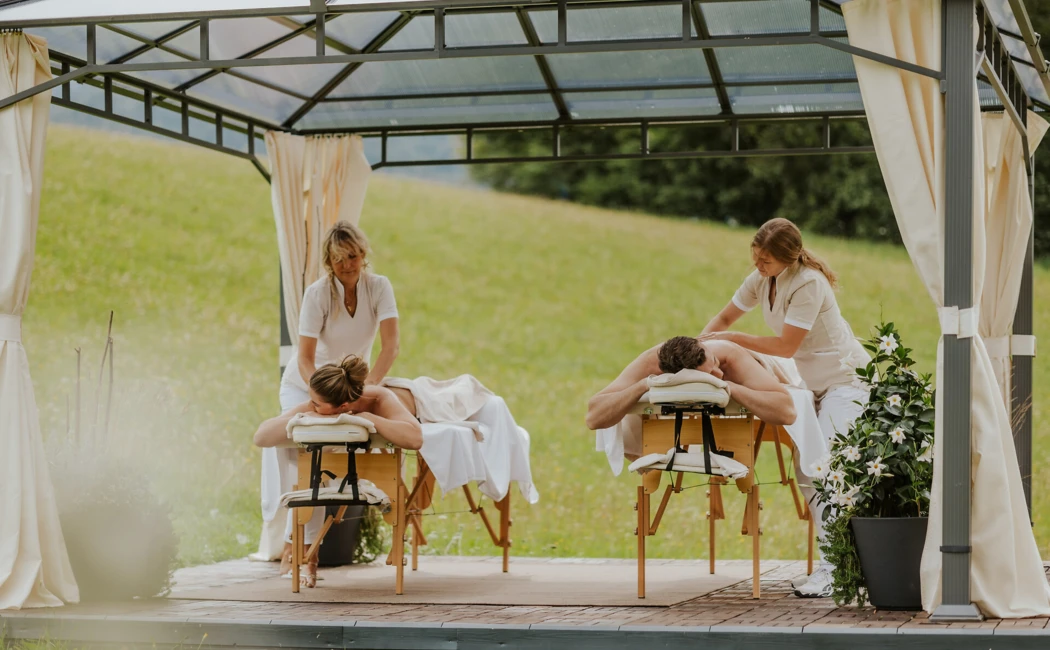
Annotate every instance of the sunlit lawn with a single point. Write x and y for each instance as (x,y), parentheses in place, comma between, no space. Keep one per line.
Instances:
(543,301)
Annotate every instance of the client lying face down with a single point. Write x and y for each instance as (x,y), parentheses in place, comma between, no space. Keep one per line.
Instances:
(340,388)
(751,385)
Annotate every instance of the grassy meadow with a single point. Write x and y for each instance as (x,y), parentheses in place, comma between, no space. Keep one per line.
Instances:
(544,301)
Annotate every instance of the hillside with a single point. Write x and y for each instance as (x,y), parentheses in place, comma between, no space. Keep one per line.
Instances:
(543,301)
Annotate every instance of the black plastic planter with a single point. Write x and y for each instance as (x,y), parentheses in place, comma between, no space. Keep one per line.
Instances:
(342,538)
(890,551)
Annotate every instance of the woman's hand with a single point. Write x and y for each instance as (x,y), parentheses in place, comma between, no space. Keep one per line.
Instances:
(716,336)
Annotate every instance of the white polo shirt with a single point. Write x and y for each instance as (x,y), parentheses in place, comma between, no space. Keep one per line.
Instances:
(324,317)
(806,300)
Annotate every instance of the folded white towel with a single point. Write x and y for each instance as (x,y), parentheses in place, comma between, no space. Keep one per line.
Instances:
(329,422)
(365,488)
(692,461)
(684,376)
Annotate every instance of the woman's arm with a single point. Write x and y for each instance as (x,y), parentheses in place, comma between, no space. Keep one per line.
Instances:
(274,431)
(390,346)
(307,357)
(725,318)
(785,345)
(393,421)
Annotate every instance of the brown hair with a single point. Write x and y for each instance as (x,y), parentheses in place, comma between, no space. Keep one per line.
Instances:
(340,383)
(783,240)
(681,352)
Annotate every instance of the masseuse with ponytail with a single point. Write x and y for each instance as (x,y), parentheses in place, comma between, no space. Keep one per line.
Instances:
(795,289)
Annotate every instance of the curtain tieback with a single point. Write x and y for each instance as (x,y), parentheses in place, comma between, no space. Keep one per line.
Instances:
(11,328)
(1017,345)
(958,322)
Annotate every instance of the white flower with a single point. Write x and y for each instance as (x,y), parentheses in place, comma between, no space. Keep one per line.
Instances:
(836,476)
(819,469)
(846,498)
(851,454)
(846,364)
(897,435)
(875,467)
(888,344)
(927,452)
(894,401)
(925,443)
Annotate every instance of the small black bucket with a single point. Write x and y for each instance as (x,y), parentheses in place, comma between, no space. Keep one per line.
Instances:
(890,550)
(341,540)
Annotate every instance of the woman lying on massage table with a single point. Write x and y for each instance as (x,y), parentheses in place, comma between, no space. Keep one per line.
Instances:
(340,388)
(751,385)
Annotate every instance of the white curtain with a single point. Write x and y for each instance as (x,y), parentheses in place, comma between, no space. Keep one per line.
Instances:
(905,113)
(315,181)
(34,565)
(1008,223)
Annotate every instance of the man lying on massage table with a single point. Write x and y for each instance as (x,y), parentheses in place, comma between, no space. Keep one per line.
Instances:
(752,386)
(340,388)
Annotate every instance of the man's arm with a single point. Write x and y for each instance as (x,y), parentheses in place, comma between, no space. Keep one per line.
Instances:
(615,400)
(757,390)
(274,431)
(393,421)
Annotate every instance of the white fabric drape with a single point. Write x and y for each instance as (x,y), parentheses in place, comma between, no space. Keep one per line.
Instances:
(315,181)
(906,116)
(34,565)
(1008,223)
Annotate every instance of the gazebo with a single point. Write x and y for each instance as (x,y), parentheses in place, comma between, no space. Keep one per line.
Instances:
(236,75)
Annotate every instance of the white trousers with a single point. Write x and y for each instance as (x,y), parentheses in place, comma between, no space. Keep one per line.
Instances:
(836,411)
(279,474)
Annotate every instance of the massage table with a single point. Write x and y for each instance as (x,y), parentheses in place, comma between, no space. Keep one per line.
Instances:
(350,449)
(673,417)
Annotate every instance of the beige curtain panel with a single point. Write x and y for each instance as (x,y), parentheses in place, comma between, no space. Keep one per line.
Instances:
(1008,224)
(34,565)
(906,116)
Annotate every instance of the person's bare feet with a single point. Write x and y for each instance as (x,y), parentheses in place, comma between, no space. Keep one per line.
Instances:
(309,577)
(286,560)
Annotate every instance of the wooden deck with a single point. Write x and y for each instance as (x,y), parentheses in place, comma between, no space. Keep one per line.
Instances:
(726,617)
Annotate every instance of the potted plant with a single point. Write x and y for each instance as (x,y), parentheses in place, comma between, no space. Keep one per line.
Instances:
(877,482)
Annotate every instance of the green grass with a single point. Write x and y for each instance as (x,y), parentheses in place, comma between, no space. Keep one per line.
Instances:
(543,301)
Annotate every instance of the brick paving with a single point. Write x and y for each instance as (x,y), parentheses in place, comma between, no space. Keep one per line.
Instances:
(728,609)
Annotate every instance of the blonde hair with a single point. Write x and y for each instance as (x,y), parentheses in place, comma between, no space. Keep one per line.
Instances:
(342,237)
(783,241)
(340,383)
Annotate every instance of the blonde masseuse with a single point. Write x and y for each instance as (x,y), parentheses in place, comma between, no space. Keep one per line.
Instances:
(796,292)
(341,314)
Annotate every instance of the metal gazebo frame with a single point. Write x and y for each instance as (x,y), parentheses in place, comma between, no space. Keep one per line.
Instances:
(1004,59)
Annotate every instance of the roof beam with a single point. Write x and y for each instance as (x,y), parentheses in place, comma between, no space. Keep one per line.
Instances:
(700,24)
(379,41)
(541,62)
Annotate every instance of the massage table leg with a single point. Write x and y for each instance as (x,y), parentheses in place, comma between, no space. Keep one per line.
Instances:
(712,489)
(398,538)
(297,546)
(642,531)
(755,542)
(504,529)
(809,556)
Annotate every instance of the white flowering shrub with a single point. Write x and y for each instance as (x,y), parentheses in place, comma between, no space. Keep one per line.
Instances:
(882,465)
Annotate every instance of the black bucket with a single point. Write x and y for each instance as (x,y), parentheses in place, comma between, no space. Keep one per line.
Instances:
(890,550)
(342,538)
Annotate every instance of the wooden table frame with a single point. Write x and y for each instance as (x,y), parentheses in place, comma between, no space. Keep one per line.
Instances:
(406,508)
(741,435)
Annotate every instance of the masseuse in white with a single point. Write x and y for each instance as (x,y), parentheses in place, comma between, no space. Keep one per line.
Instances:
(796,292)
(341,314)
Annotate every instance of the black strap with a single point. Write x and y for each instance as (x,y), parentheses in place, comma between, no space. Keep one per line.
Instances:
(955,549)
(709,440)
(351,471)
(677,439)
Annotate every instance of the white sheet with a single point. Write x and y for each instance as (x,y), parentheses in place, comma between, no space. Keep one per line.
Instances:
(691,461)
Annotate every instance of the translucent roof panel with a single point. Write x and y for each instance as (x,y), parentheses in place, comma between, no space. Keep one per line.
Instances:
(752,100)
(358,30)
(475,30)
(765,17)
(610,23)
(442,76)
(246,97)
(430,110)
(643,104)
(418,34)
(784,62)
(612,69)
